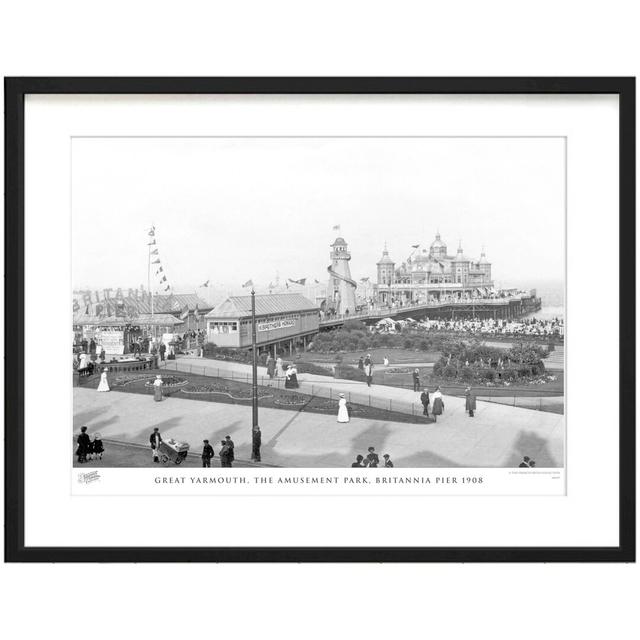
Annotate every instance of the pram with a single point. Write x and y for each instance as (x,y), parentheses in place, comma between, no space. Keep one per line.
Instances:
(173,450)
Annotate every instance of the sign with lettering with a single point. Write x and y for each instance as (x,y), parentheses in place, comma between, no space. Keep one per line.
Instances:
(276,324)
(111,341)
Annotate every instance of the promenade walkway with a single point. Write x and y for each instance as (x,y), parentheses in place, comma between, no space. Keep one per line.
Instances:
(498,436)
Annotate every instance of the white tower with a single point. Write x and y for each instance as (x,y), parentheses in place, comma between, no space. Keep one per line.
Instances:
(341,291)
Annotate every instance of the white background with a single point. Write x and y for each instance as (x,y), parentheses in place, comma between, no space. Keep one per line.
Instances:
(53,517)
(332,38)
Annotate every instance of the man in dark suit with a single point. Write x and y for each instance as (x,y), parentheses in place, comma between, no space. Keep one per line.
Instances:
(424,398)
(372,457)
(224,454)
(154,440)
(207,454)
(232,447)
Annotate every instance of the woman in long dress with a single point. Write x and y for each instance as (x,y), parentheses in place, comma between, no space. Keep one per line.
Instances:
(271,367)
(291,381)
(470,401)
(104,383)
(343,412)
(83,366)
(279,368)
(157,389)
(438,405)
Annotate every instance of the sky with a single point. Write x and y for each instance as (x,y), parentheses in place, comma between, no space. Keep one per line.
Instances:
(232,209)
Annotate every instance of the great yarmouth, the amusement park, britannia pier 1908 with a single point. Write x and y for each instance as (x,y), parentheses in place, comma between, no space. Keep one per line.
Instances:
(318,303)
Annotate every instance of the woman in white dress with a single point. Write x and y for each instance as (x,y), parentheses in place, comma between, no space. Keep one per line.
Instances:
(104,383)
(343,412)
(84,364)
(279,368)
(157,389)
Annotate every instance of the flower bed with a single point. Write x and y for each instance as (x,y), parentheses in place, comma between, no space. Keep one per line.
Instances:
(168,381)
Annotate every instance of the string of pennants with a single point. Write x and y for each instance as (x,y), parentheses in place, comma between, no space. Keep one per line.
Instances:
(156,264)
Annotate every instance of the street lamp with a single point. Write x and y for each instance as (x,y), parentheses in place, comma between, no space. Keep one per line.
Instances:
(255,433)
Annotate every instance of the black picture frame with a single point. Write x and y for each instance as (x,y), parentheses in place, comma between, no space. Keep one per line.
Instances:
(15,91)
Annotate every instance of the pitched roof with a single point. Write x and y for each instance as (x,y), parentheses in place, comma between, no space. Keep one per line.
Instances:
(157,319)
(270,304)
(174,303)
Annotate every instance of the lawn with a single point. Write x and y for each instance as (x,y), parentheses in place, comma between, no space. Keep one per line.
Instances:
(402,377)
(396,356)
(213,389)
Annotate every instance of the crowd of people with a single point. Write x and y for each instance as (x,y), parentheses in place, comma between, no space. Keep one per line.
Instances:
(523,327)
(277,369)
(372,460)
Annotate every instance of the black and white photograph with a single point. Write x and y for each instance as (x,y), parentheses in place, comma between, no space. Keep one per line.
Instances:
(318,302)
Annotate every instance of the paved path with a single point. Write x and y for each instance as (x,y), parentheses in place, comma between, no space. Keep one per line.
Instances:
(555,360)
(497,437)
(378,395)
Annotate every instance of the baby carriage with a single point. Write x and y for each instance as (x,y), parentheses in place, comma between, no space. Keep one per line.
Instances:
(173,450)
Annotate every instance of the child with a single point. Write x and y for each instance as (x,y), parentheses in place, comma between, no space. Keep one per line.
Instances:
(97,448)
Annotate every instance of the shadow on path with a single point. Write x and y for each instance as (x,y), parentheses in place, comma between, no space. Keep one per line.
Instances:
(531,444)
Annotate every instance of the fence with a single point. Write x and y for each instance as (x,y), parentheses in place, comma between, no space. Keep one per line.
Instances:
(553,404)
(315,389)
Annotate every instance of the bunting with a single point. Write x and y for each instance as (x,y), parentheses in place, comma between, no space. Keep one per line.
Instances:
(154,252)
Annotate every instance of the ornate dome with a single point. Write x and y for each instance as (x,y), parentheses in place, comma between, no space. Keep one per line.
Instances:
(437,243)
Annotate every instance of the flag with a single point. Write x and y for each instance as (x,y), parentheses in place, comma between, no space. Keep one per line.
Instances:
(154,252)
(301,281)
(167,288)
(156,261)
(248,283)
(152,231)
(415,246)
(206,284)
(317,281)
(336,227)
(151,243)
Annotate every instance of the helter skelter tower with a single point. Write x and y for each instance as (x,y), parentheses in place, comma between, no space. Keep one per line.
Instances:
(341,291)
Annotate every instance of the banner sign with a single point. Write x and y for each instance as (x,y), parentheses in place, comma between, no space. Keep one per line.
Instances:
(276,324)
(111,341)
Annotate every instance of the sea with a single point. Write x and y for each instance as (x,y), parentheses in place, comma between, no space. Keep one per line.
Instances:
(551,294)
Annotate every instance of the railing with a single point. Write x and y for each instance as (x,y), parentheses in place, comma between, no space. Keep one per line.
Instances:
(554,404)
(385,312)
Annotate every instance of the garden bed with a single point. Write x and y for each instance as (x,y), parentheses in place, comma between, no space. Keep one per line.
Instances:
(222,390)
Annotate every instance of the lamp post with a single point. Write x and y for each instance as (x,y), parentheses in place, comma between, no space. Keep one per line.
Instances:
(256,436)
(254,364)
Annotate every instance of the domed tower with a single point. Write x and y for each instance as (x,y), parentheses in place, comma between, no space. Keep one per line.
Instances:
(341,290)
(438,249)
(461,266)
(485,266)
(386,268)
